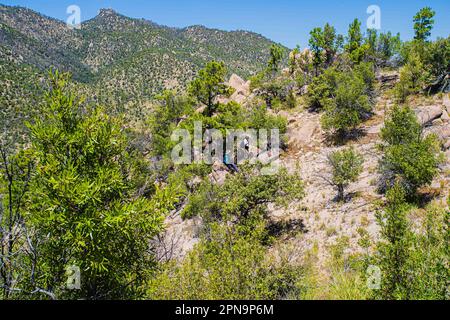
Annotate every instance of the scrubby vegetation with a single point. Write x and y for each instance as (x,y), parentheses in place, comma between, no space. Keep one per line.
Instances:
(410,159)
(346,166)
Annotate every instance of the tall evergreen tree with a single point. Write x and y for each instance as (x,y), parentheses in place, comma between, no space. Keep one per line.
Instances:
(210,84)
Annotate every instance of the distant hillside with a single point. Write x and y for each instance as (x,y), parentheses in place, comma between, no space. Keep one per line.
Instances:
(128,58)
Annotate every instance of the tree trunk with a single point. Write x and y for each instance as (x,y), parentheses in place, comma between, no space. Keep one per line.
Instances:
(341,194)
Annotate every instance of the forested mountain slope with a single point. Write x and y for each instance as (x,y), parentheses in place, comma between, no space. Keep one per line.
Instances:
(110,45)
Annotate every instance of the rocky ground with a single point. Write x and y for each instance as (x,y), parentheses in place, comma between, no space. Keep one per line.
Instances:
(318,220)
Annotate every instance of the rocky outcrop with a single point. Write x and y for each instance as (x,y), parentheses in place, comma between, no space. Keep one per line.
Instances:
(443,134)
(219,173)
(388,80)
(304,131)
(426,115)
(446,103)
(437,121)
(179,238)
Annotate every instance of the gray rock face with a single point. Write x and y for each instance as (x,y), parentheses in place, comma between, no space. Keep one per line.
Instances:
(445,117)
(241,90)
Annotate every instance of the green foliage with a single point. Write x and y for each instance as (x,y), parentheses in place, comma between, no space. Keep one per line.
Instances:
(355,46)
(166,116)
(233,116)
(324,45)
(331,43)
(426,67)
(437,56)
(293,59)
(15,264)
(275,92)
(382,47)
(231,260)
(423,23)
(229,266)
(316,45)
(346,282)
(413,78)
(85,203)
(321,90)
(365,71)
(394,252)
(276,56)
(347,166)
(409,159)
(401,127)
(429,257)
(210,84)
(274,88)
(414,266)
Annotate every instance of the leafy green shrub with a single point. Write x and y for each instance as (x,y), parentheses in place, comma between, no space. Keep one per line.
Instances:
(166,116)
(244,195)
(423,23)
(210,84)
(437,56)
(228,266)
(401,127)
(382,48)
(85,203)
(428,261)
(231,260)
(393,252)
(350,106)
(321,90)
(355,48)
(414,264)
(413,78)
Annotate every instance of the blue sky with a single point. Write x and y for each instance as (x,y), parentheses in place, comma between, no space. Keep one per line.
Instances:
(284,21)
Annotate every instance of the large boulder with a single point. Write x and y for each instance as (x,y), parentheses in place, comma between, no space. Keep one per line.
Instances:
(446,102)
(303,134)
(426,115)
(443,134)
(219,173)
(388,79)
(236,82)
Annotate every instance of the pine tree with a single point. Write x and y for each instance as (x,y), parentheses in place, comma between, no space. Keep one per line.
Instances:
(423,24)
(210,84)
